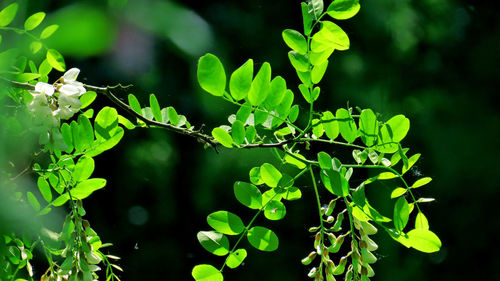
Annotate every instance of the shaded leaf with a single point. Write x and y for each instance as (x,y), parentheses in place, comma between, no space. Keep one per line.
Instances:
(214,242)
(248,194)
(263,239)
(225,222)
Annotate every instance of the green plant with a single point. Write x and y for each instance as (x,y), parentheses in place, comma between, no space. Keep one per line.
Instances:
(71,135)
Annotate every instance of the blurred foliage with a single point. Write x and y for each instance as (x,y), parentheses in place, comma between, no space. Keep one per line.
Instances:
(436,61)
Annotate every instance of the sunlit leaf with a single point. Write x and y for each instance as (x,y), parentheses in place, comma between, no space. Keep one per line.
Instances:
(401,213)
(260,85)
(48,31)
(222,137)
(56,60)
(343,9)
(44,188)
(241,80)
(421,221)
(270,175)
(211,75)
(274,210)
(214,242)
(248,194)
(368,127)
(295,40)
(206,272)
(421,182)
(226,222)
(236,258)
(8,14)
(87,187)
(398,192)
(292,159)
(330,37)
(263,239)
(347,126)
(424,240)
(33,21)
(155,107)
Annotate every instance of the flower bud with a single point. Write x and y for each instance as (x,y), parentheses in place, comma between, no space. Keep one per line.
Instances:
(307,260)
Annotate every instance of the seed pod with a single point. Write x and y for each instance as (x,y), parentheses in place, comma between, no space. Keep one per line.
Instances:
(340,268)
(330,277)
(348,274)
(314,229)
(334,248)
(370,271)
(332,238)
(312,273)
(364,278)
(338,224)
(330,208)
(367,256)
(307,260)
(370,244)
(368,228)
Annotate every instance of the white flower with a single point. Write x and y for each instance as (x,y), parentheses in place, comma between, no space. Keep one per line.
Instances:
(44,88)
(71,75)
(64,112)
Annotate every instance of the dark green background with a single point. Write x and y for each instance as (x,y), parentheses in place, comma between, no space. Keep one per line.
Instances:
(435,61)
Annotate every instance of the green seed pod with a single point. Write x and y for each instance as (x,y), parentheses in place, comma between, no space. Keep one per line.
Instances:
(330,277)
(364,278)
(307,260)
(338,224)
(348,274)
(332,238)
(312,273)
(334,248)
(368,228)
(330,208)
(340,268)
(370,271)
(370,244)
(367,256)
(314,229)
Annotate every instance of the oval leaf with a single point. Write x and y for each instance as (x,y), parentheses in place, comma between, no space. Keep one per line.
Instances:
(275,210)
(236,258)
(8,14)
(222,137)
(424,240)
(206,272)
(214,242)
(270,175)
(295,40)
(225,222)
(260,85)
(241,80)
(347,126)
(56,60)
(248,194)
(211,75)
(263,239)
(85,188)
(401,214)
(343,9)
(33,21)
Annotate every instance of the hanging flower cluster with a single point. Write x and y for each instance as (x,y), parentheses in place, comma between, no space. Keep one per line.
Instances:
(54,102)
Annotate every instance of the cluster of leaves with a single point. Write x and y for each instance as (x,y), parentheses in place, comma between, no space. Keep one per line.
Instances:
(268,115)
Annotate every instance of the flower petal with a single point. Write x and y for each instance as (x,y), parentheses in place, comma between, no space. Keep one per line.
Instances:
(71,74)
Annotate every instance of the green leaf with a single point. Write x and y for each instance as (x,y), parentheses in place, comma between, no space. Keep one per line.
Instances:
(244,112)
(398,192)
(211,75)
(87,187)
(238,132)
(318,57)
(250,134)
(315,8)
(276,92)
(48,31)
(347,126)
(391,133)
(401,214)
(125,122)
(294,113)
(292,193)
(44,188)
(330,125)
(56,60)
(343,9)
(241,80)
(295,40)
(214,242)
(335,182)
(85,132)
(87,98)
(134,103)
(318,72)
(35,46)
(270,175)
(26,77)
(254,175)
(226,223)
(263,239)
(206,272)
(330,37)
(248,194)
(306,18)
(33,201)
(424,240)
(8,14)
(155,107)
(294,161)
(105,123)
(102,145)
(421,221)
(421,182)
(317,128)
(173,117)
(368,127)
(59,201)
(325,161)
(222,137)
(236,258)
(33,21)
(386,176)
(83,168)
(274,210)
(260,85)
(304,90)
(411,161)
